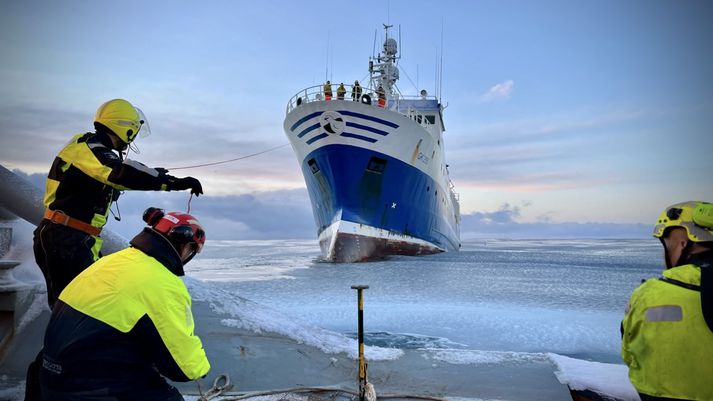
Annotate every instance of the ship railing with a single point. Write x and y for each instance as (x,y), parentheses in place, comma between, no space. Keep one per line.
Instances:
(417,116)
(368,96)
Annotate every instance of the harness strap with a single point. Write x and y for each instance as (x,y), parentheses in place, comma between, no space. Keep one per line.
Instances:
(680,284)
(59,217)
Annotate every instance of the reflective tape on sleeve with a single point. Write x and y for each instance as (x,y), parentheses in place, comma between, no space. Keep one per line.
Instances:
(667,313)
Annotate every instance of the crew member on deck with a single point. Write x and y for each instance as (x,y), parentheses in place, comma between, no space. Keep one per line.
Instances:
(328,91)
(126,321)
(86,177)
(667,332)
(341,91)
(356,91)
(381,95)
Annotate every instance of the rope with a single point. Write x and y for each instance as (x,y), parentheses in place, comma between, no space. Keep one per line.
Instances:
(222,384)
(230,160)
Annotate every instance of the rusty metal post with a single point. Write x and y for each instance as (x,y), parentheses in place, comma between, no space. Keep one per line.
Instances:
(362,360)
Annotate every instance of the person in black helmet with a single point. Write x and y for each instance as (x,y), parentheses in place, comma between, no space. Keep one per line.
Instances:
(126,321)
(86,177)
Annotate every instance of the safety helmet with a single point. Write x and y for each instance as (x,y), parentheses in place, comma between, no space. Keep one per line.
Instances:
(696,217)
(179,228)
(122,118)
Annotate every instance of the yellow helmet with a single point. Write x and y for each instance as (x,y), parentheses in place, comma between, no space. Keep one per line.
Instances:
(121,117)
(695,217)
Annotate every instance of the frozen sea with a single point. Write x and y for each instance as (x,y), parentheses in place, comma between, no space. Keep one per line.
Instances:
(499,309)
(518,296)
(496,321)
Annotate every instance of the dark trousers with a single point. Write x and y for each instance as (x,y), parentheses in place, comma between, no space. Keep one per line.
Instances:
(61,253)
(159,390)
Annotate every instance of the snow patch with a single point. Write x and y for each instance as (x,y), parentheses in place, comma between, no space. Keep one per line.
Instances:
(477,357)
(603,378)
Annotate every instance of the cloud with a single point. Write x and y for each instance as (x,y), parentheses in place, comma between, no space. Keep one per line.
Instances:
(503,223)
(283,214)
(287,214)
(500,91)
(506,214)
(570,150)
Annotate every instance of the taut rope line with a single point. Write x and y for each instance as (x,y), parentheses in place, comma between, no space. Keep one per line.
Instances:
(228,161)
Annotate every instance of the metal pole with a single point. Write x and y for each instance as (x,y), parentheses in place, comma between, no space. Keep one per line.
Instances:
(362,361)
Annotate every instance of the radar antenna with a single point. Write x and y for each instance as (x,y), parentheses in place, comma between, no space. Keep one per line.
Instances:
(383,69)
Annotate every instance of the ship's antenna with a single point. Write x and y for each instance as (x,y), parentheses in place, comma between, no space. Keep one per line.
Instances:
(388,11)
(440,70)
(373,49)
(326,62)
(435,82)
(401,49)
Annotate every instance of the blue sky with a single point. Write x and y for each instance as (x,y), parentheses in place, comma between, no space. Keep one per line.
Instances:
(559,112)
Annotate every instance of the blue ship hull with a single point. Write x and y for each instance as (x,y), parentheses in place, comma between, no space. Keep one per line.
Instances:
(373,190)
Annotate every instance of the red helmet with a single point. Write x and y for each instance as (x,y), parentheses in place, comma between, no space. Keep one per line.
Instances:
(179,228)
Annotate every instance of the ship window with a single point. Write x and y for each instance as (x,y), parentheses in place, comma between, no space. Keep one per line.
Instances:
(431,118)
(428,188)
(313,166)
(376,165)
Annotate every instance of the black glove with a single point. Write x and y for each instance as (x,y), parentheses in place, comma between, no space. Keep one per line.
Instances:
(179,184)
(161,170)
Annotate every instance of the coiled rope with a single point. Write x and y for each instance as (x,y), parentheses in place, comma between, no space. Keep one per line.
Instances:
(229,160)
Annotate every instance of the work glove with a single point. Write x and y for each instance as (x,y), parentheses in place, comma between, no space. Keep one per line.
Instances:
(179,184)
(161,170)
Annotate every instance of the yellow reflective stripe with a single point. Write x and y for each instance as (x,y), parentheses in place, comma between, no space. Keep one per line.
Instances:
(97,247)
(82,157)
(50,191)
(666,313)
(98,220)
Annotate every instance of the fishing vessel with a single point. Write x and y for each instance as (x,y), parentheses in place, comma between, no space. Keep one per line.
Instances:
(374,165)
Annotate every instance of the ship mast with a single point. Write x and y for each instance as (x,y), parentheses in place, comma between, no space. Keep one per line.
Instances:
(382,69)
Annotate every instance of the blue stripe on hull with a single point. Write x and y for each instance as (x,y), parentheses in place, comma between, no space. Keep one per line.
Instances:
(401,199)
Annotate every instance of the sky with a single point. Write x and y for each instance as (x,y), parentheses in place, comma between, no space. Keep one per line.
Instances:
(563,118)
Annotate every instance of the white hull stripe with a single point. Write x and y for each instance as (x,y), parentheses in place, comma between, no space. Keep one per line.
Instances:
(348,227)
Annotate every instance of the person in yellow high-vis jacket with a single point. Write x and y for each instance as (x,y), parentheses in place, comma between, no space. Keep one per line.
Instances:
(667,331)
(86,177)
(126,321)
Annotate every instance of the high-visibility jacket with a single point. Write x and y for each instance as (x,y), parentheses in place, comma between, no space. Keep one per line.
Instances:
(666,342)
(122,319)
(87,176)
